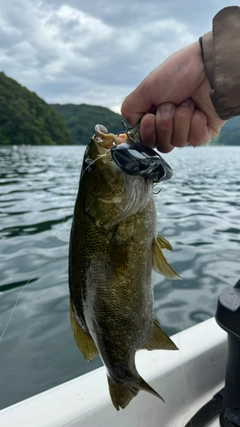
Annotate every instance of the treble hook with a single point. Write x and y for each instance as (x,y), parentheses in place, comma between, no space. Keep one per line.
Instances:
(129,130)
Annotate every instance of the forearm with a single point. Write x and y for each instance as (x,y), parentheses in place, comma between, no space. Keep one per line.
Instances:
(221,53)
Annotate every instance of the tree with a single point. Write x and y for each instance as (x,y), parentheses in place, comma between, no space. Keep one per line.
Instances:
(27,119)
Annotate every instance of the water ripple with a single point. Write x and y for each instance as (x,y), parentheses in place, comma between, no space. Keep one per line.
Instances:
(198,212)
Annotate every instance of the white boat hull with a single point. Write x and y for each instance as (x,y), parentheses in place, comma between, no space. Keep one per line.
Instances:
(186,379)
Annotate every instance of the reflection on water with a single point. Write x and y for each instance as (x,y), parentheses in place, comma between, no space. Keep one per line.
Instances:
(198,212)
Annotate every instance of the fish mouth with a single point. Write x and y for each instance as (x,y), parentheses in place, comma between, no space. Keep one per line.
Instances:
(133,157)
(108,140)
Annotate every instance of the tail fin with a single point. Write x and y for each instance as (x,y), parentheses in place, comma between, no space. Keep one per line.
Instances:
(122,394)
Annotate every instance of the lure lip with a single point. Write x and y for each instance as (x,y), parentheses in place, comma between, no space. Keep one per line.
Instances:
(135,158)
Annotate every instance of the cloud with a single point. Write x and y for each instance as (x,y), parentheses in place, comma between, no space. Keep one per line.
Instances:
(95,52)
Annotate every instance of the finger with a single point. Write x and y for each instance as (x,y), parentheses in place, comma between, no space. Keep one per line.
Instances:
(148,130)
(136,105)
(182,122)
(164,126)
(200,132)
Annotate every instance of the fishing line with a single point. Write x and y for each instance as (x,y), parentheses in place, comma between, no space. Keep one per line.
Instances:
(94,161)
(48,248)
(37,268)
(180,352)
(179,346)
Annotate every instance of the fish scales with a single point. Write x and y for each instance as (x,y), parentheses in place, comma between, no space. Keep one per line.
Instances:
(113,248)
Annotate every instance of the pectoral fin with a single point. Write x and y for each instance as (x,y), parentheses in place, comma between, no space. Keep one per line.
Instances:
(83,340)
(159,340)
(160,264)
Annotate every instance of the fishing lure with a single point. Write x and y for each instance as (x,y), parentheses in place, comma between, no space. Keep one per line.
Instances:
(135,158)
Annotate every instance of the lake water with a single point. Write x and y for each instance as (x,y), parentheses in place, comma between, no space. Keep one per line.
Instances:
(198,212)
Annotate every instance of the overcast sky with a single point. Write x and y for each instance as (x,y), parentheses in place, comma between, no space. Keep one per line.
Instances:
(95,51)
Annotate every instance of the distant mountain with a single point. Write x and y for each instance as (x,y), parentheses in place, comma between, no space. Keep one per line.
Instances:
(81,120)
(230,133)
(27,119)
(231,124)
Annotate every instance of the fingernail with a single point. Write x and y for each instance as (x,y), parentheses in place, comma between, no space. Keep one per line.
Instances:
(166,110)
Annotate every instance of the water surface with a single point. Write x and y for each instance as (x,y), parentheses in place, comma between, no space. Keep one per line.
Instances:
(198,212)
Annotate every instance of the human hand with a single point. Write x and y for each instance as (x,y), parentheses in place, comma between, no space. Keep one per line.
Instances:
(174,103)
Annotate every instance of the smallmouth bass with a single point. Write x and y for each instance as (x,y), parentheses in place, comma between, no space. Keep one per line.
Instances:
(114,246)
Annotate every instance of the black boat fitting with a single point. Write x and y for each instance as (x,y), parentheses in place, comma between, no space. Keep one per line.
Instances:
(226,402)
(228,318)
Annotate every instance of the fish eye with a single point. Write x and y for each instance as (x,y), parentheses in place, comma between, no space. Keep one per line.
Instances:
(89,165)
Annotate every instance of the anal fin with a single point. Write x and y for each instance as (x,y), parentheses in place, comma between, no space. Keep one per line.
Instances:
(83,340)
(159,340)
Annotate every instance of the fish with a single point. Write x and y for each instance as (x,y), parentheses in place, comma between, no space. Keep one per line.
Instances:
(114,246)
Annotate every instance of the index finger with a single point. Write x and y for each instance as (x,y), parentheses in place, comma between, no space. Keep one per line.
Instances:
(136,105)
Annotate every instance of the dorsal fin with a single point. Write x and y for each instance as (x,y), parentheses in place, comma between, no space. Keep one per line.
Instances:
(163,243)
(160,264)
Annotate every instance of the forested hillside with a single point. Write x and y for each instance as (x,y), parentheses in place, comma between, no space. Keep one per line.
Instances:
(230,133)
(81,120)
(27,119)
